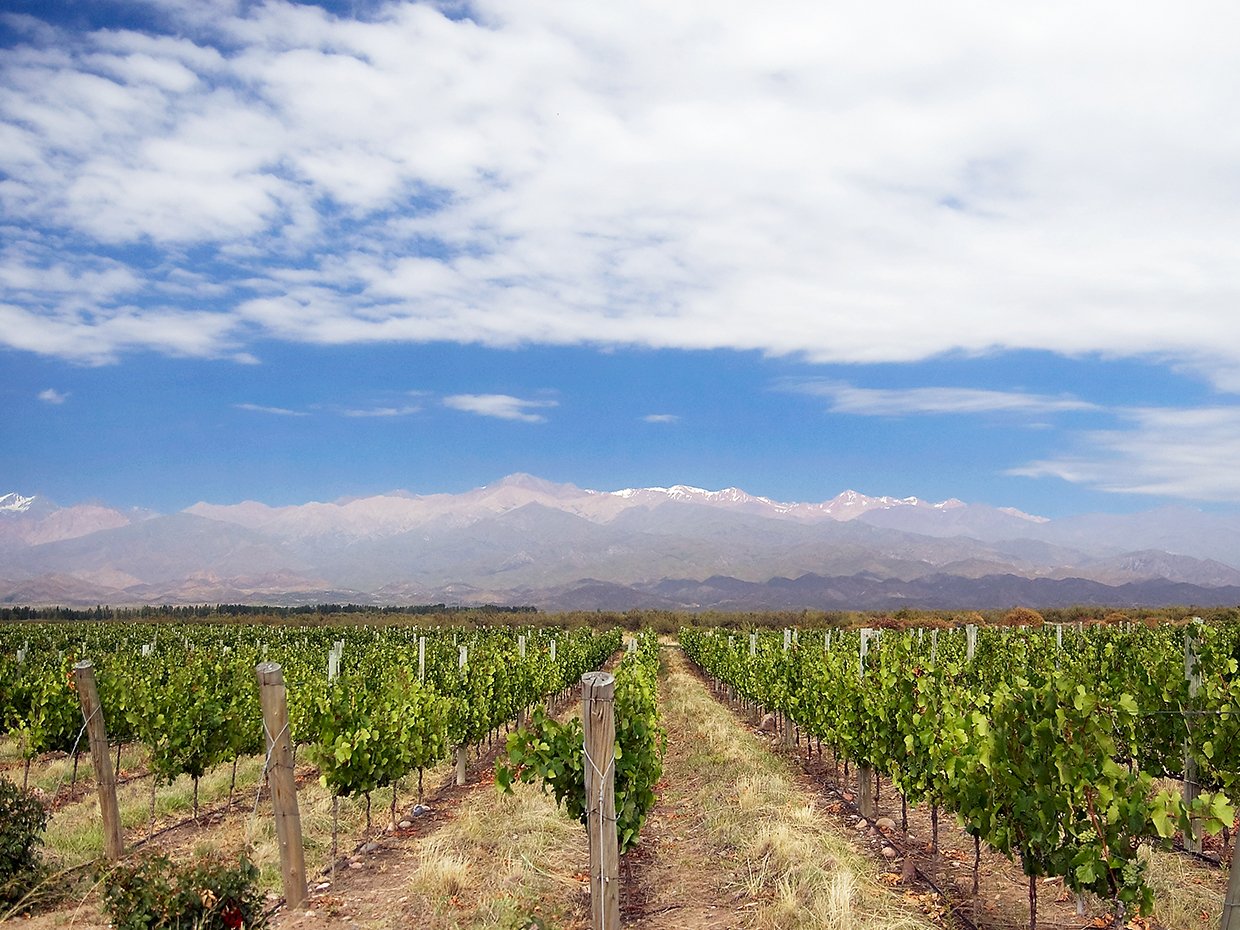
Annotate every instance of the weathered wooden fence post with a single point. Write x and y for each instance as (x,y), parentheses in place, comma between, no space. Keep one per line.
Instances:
(461,761)
(865,772)
(1231,904)
(598,690)
(105,777)
(1192,675)
(281,782)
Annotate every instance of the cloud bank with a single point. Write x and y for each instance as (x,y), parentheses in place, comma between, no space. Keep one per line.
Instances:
(850,184)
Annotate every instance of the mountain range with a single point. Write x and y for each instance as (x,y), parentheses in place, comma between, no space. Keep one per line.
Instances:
(524,540)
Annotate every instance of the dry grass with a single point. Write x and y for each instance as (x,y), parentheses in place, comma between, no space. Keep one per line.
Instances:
(788,860)
(74,836)
(500,861)
(1187,896)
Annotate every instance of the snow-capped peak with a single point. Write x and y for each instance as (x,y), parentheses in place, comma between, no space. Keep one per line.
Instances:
(685,492)
(15,503)
(848,505)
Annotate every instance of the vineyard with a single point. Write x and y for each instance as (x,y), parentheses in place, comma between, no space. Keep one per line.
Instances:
(1071,749)
(1044,743)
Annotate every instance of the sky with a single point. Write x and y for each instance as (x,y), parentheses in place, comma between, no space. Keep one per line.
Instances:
(289,251)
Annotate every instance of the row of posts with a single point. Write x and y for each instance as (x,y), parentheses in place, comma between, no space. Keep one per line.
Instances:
(598,716)
(598,691)
(280,780)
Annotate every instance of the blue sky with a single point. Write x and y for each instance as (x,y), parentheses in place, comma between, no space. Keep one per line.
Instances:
(289,252)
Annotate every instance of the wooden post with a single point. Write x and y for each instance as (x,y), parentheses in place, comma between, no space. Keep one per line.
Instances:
(281,782)
(1192,675)
(1231,904)
(463,660)
(598,714)
(865,773)
(105,777)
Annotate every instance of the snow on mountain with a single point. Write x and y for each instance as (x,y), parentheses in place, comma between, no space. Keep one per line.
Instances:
(15,503)
(847,505)
(687,494)
(515,539)
(394,513)
(31,521)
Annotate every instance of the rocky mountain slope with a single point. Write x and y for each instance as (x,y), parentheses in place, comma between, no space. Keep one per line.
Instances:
(527,540)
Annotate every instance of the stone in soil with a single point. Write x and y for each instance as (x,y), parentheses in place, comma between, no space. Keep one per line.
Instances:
(888,852)
(886,824)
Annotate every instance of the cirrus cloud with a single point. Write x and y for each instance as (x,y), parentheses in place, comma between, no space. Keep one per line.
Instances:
(846,398)
(274,411)
(1158,451)
(500,406)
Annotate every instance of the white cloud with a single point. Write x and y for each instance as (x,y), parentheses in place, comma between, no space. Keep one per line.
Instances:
(275,411)
(846,398)
(53,396)
(1185,453)
(500,406)
(803,178)
(381,411)
(661,418)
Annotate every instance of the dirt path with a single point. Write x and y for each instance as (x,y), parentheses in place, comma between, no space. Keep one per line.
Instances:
(738,840)
(474,859)
(1188,894)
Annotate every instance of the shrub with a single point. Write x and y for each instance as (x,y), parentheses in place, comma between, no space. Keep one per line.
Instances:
(154,893)
(1023,616)
(22,819)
